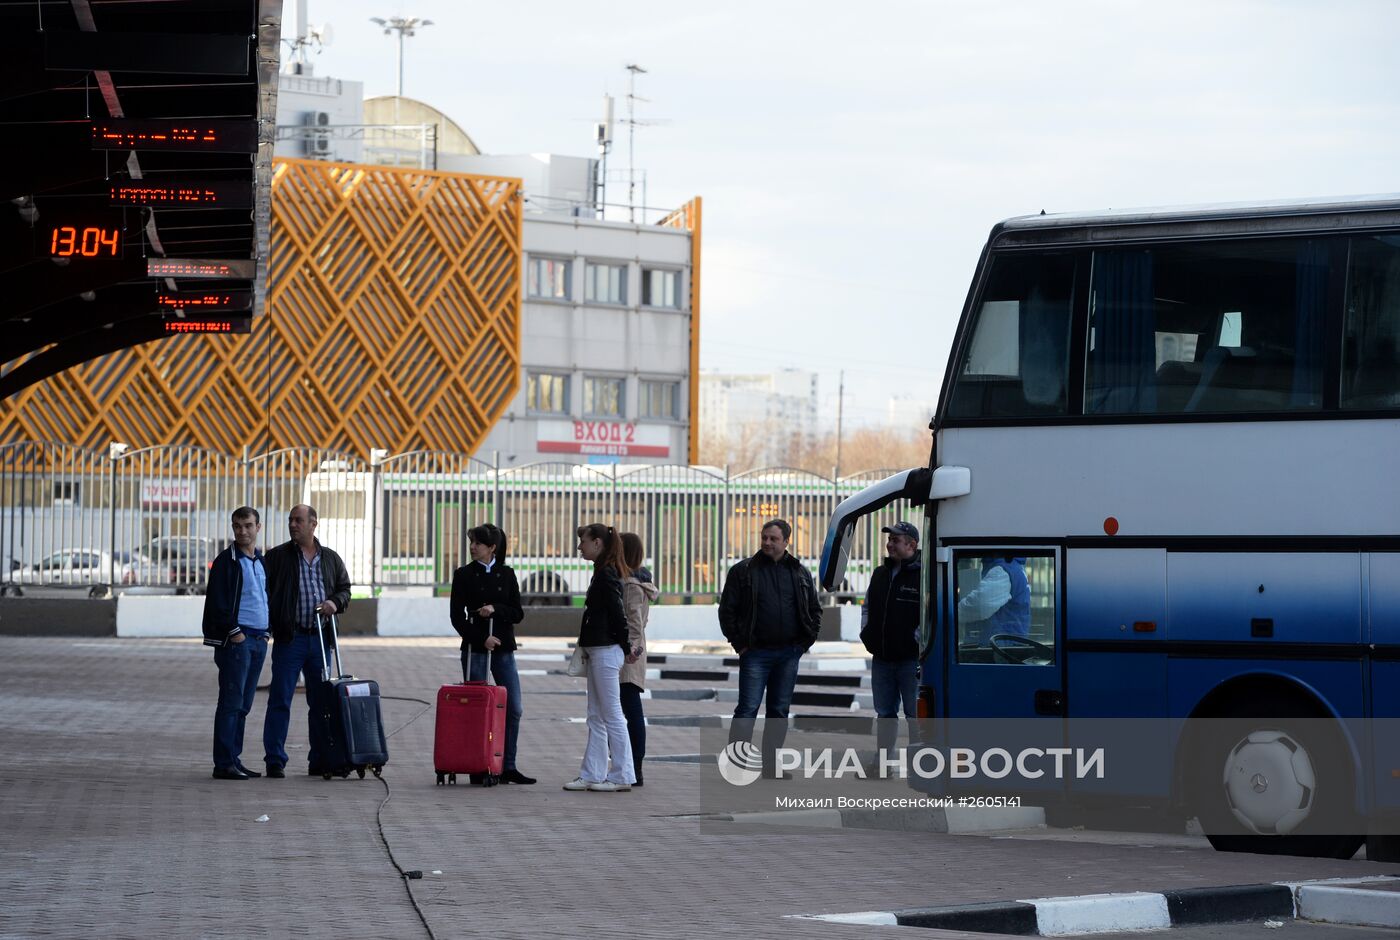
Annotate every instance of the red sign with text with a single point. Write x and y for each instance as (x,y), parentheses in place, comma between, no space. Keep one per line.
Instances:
(604,438)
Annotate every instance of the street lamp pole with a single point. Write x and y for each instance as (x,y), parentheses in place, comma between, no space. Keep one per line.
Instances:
(404,26)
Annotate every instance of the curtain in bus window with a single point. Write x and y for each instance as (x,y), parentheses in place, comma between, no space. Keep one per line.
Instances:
(1371,349)
(1015,359)
(1311,280)
(1123,350)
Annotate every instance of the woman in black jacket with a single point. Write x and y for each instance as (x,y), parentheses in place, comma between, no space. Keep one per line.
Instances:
(603,637)
(485,609)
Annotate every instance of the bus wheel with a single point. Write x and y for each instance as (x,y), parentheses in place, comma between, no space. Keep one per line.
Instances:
(1274,778)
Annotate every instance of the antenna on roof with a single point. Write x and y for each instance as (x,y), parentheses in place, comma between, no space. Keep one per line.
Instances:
(603,131)
(633,122)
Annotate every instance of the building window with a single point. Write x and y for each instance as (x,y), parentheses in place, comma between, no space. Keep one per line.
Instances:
(547,392)
(661,288)
(549,278)
(602,396)
(659,400)
(605,283)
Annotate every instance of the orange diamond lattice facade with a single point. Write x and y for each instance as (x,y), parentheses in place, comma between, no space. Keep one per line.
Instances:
(392,320)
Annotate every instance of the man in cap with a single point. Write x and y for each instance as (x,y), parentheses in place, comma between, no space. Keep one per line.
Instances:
(889,628)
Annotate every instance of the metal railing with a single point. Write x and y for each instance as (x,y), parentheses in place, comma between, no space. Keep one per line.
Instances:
(155,517)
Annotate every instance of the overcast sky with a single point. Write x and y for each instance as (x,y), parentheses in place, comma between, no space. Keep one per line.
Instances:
(853,156)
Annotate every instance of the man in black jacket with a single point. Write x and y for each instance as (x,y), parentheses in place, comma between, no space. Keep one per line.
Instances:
(770,614)
(235,624)
(305,580)
(889,629)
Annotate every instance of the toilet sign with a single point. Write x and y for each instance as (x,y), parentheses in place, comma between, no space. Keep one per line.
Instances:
(169,494)
(604,438)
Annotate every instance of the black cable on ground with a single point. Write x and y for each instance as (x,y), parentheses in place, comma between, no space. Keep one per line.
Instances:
(379,817)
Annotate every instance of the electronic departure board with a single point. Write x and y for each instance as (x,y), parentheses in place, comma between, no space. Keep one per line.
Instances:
(186,194)
(174,324)
(206,301)
(190,135)
(242,269)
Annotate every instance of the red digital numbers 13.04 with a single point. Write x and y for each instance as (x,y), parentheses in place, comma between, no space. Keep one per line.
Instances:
(91,242)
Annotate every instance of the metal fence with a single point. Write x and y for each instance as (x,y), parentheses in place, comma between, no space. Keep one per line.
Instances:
(155,517)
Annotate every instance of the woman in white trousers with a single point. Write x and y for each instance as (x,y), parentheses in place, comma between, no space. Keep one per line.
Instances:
(607,760)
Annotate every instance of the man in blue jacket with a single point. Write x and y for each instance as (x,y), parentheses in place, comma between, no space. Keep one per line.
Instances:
(235,624)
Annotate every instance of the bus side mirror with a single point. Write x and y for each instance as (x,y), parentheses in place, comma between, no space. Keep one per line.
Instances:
(949,482)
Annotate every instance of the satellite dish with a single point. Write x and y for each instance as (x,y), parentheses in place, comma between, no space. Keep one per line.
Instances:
(323,34)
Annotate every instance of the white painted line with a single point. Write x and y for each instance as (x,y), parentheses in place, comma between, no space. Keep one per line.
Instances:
(863,918)
(1100,913)
(836,665)
(1336,904)
(532,672)
(542,657)
(653,673)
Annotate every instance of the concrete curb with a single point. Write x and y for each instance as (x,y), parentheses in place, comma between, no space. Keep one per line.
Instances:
(1347,901)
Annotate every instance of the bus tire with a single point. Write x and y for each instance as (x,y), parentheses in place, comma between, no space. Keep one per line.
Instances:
(1273,776)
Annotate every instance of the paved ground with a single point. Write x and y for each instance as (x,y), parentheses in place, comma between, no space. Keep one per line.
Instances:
(114,828)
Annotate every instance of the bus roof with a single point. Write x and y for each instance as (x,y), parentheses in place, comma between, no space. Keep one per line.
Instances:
(1275,217)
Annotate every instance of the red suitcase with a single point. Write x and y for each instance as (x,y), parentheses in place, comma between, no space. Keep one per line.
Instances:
(470,736)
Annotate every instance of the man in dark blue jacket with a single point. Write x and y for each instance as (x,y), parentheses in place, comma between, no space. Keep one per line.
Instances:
(889,629)
(235,624)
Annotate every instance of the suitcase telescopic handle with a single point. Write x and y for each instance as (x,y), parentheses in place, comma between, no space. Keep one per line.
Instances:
(335,639)
(490,632)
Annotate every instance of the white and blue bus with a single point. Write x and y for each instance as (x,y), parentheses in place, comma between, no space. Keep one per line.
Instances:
(1172,437)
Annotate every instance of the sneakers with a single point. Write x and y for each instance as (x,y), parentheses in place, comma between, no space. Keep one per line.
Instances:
(602,786)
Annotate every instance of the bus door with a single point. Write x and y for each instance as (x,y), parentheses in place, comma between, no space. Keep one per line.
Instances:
(1004,686)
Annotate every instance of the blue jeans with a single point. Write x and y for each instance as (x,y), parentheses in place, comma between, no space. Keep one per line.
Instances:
(773,671)
(239,664)
(636,723)
(504,671)
(890,681)
(298,655)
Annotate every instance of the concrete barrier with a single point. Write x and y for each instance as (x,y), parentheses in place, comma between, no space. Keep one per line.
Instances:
(57,616)
(166,615)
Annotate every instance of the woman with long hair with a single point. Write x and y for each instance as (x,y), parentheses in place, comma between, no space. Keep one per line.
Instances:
(485,609)
(607,760)
(638,594)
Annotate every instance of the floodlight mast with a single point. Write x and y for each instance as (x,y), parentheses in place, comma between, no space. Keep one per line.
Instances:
(404,26)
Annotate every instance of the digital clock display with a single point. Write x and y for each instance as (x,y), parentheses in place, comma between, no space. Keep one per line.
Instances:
(207,135)
(92,241)
(242,269)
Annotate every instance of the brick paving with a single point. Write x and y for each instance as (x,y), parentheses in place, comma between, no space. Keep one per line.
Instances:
(112,826)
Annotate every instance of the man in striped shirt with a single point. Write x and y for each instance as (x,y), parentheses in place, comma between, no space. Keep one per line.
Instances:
(305,580)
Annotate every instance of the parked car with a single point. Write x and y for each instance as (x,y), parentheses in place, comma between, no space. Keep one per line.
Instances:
(180,560)
(69,566)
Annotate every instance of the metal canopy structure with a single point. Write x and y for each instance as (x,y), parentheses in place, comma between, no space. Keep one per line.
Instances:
(131,131)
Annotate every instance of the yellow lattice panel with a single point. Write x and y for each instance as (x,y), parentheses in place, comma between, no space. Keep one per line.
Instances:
(393,320)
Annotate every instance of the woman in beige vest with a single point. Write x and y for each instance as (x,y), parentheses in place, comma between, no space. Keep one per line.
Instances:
(638,594)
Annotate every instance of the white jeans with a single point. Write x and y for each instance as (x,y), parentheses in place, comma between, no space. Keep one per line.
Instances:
(607,728)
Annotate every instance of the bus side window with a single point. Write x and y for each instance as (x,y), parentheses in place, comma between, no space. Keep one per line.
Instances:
(1016,362)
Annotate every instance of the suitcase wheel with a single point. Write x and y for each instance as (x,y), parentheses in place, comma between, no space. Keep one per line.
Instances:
(452,779)
(378,770)
(326,776)
(361,772)
(440,780)
(491,780)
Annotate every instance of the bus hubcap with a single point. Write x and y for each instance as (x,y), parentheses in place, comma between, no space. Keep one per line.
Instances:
(1269,782)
